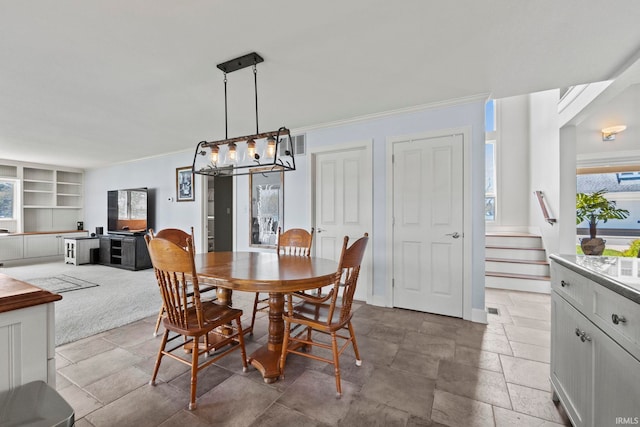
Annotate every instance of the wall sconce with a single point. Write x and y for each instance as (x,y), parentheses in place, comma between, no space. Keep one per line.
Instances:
(609,134)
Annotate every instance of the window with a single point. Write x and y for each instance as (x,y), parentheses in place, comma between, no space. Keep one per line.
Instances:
(490,116)
(490,161)
(8,190)
(622,187)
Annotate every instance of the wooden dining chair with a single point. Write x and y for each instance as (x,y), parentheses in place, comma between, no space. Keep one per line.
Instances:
(329,314)
(189,317)
(181,239)
(295,241)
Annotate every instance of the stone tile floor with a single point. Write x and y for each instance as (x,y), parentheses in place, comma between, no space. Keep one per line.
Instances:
(418,369)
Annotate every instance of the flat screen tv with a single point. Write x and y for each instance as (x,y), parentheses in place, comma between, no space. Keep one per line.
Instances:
(128,211)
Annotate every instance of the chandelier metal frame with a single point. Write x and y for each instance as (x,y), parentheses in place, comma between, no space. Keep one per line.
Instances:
(270,151)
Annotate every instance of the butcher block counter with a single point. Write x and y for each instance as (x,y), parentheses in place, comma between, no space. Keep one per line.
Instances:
(27,333)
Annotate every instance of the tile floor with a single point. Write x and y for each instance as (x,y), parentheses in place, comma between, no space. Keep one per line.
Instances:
(418,369)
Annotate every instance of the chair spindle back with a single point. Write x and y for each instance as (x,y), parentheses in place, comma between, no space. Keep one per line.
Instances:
(295,241)
(172,264)
(348,272)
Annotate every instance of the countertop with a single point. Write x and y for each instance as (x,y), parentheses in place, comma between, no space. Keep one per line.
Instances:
(619,274)
(29,233)
(16,294)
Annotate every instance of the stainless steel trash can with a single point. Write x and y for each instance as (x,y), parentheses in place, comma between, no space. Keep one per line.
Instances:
(35,405)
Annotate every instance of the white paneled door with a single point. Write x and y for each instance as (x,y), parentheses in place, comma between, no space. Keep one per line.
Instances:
(428,224)
(343,205)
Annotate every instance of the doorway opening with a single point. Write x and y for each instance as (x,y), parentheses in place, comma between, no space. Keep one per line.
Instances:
(219,214)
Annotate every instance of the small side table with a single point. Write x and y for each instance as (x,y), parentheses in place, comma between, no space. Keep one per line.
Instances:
(77,249)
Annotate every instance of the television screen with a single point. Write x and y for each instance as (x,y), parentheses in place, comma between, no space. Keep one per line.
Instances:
(127,211)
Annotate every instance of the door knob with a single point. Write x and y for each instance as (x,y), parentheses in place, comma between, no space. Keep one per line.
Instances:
(320,230)
(455,235)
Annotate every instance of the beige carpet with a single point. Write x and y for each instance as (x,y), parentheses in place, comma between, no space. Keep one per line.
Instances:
(120,297)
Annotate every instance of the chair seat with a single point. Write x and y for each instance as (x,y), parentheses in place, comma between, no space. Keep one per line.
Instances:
(318,315)
(214,314)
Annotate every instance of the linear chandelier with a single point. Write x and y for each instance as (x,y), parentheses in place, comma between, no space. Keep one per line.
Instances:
(264,151)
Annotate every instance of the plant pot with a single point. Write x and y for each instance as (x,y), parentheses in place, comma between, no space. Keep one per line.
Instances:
(592,246)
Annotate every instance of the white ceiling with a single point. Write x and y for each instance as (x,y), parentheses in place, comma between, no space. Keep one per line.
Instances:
(90,83)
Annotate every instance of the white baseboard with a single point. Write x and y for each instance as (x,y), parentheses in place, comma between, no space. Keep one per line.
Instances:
(378,301)
(478,315)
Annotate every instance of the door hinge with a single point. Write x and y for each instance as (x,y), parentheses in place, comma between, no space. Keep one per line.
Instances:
(393,283)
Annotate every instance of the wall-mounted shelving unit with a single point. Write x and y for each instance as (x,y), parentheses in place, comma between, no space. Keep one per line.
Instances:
(52,198)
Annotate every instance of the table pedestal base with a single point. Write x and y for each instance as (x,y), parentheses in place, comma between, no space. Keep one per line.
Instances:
(267,362)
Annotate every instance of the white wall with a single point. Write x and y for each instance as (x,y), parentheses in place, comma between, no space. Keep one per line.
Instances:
(567,215)
(531,157)
(544,152)
(159,173)
(512,165)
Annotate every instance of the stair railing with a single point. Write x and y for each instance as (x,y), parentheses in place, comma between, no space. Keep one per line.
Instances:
(543,206)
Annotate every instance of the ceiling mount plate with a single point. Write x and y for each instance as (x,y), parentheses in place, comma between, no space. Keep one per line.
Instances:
(241,62)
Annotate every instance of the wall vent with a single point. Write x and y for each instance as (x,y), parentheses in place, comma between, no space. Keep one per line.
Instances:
(299,145)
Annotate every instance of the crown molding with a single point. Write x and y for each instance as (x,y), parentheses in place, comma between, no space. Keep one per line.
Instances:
(416,108)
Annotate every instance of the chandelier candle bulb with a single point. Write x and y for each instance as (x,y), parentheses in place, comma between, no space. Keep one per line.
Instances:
(271,148)
(214,154)
(251,149)
(231,157)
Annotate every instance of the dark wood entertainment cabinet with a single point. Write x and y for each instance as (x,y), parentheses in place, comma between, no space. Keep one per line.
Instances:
(124,251)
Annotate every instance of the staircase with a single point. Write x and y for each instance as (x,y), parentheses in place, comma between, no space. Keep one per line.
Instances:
(516,261)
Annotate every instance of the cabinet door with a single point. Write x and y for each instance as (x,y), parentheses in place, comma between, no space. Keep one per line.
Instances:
(571,360)
(616,378)
(11,247)
(23,346)
(61,237)
(41,245)
(105,250)
(129,252)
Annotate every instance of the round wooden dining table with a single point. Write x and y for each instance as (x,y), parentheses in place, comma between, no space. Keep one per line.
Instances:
(269,273)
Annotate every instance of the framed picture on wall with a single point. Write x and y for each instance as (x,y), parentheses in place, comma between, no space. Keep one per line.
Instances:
(184,184)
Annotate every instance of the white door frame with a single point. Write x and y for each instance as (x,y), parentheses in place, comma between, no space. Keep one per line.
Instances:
(367,145)
(467,204)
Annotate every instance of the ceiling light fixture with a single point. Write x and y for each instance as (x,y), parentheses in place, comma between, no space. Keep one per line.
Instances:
(268,151)
(609,134)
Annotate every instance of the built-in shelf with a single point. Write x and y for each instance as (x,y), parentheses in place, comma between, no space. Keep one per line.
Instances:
(52,198)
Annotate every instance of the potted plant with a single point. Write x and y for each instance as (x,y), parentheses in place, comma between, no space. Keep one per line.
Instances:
(594,207)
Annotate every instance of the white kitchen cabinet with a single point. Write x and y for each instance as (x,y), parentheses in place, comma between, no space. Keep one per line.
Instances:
(11,247)
(616,379)
(570,361)
(594,328)
(27,334)
(42,245)
(36,245)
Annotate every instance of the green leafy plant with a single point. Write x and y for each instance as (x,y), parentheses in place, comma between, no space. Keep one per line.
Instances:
(634,247)
(594,207)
